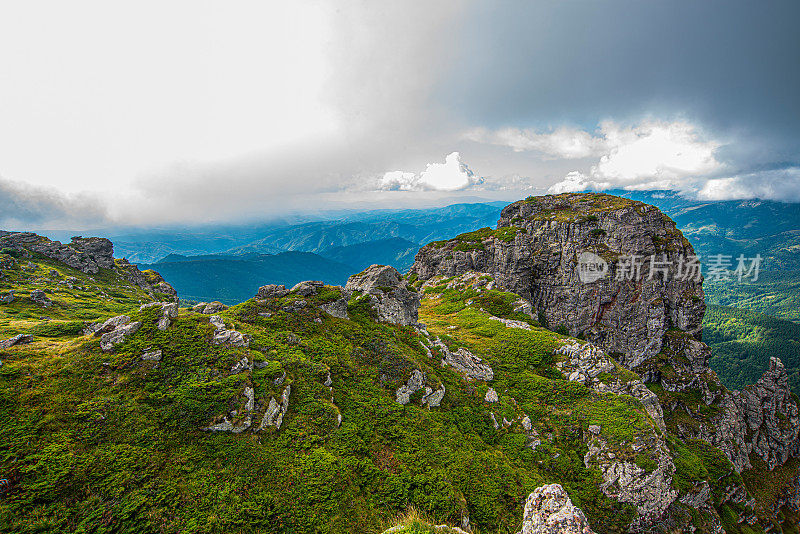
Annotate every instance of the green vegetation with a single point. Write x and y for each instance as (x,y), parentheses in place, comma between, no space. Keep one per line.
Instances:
(742,342)
(474,240)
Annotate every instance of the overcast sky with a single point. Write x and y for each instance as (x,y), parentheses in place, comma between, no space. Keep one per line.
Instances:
(156,112)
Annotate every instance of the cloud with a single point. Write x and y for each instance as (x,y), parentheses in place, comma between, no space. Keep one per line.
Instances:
(23,205)
(452,175)
(777,184)
(649,155)
(564,142)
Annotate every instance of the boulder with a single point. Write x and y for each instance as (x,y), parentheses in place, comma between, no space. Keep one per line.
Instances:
(549,510)
(388,292)
(19,339)
(7,298)
(270,291)
(118,335)
(38,296)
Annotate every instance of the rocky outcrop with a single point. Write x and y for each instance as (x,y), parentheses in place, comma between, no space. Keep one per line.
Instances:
(648,489)
(549,510)
(122,329)
(761,420)
(273,416)
(536,251)
(88,255)
(271,291)
(226,336)
(38,297)
(209,308)
(388,293)
(588,364)
(19,339)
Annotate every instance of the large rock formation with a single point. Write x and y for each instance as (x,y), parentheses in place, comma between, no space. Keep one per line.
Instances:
(388,293)
(87,255)
(650,324)
(541,245)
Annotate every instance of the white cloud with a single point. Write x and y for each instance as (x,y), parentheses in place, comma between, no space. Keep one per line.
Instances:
(780,184)
(452,175)
(564,142)
(650,155)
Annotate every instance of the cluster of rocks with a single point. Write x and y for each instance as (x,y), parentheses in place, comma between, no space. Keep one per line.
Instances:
(649,490)
(39,297)
(388,294)
(590,365)
(240,419)
(470,366)
(624,316)
(416,382)
(88,255)
(227,336)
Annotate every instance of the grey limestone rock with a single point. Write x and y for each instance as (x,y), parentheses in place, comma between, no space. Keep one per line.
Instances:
(549,510)
(389,294)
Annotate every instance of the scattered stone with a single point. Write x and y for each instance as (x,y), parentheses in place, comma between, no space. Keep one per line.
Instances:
(154,356)
(433,398)
(279,381)
(7,298)
(491,396)
(241,366)
(594,429)
(414,384)
(549,510)
(38,296)
(526,423)
(328,380)
(109,325)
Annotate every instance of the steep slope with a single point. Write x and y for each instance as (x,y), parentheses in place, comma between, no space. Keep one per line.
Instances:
(650,324)
(742,342)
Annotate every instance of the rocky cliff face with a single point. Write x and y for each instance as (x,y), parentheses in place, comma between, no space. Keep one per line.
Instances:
(536,252)
(651,324)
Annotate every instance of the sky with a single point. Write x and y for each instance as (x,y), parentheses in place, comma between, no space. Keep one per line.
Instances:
(152,113)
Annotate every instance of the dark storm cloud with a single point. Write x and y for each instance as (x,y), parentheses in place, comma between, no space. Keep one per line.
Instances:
(22,204)
(731,66)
